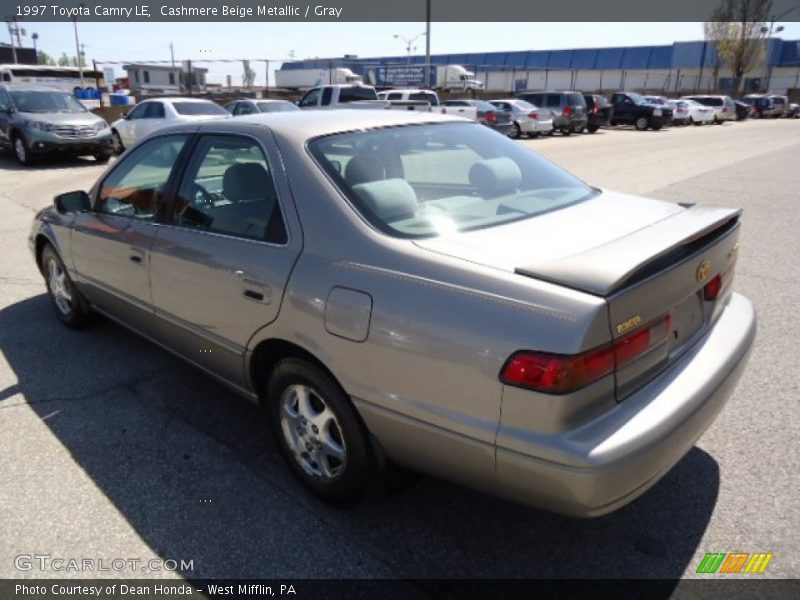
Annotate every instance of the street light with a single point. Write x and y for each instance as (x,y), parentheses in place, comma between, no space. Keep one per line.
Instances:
(78,46)
(34,37)
(409,42)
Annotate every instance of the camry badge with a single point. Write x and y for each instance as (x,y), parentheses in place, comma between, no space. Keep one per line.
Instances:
(629,324)
(703,270)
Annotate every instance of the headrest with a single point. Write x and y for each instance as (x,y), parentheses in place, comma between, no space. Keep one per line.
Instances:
(388,199)
(495,176)
(246,181)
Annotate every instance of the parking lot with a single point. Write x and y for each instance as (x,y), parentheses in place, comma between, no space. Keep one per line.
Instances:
(114,448)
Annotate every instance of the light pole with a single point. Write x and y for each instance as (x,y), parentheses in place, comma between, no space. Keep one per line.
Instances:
(769,31)
(409,42)
(78,47)
(34,37)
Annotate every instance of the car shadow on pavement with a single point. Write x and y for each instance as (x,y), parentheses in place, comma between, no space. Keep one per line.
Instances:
(195,472)
(9,163)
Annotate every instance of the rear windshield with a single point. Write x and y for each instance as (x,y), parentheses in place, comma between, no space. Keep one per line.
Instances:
(709,101)
(575,100)
(276,106)
(426,97)
(198,108)
(420,181)
(353,94)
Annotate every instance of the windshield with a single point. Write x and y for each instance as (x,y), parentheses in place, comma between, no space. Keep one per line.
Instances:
(428,180)
(637,99)
(198,108)
(276,106)
(42,102)
(428,97)
(523,105)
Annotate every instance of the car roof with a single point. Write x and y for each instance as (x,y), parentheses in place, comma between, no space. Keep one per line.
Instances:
(303,125)
(178,99)
(30,87)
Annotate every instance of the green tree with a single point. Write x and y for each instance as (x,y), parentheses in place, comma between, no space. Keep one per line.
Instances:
(737,29)
(63,60)
(46,59)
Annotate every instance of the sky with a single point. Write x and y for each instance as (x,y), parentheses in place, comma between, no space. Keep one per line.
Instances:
(142,42)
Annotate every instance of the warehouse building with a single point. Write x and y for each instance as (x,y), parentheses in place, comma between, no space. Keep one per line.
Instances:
(677,68)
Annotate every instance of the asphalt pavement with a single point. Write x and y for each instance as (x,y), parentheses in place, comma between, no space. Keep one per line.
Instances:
(112,448)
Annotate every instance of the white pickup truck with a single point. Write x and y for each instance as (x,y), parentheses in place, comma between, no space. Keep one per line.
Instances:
(354,96)
(459,108)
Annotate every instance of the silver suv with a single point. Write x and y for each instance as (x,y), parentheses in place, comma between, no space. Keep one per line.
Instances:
(38,120)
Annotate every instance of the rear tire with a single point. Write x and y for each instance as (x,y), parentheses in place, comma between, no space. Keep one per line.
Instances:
(592,128)
(516,132)
(319,433)
(566,131)
(70,306)
(642,123)
(102,158)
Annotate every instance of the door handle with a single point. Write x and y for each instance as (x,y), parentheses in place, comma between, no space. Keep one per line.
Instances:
(254,295)
(136,256)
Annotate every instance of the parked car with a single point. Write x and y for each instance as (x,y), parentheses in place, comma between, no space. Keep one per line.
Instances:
(764,106)
(248,106)
(355,96)
(743,110)
(459,108)
(568,109)
(152,115)
(429,96)
(38,121)
(781,104)
(486,114)
(412,288)
(689,112)
(794,110)
(724,108)
(527,118)
(599,112)
(632,109)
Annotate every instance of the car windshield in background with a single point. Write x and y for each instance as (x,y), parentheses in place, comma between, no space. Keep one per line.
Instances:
(523,105)
(277,106)
(41,102)
(198,108)
(356,93)
(429,180)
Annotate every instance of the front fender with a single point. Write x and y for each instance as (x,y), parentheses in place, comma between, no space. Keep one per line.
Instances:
(51,227)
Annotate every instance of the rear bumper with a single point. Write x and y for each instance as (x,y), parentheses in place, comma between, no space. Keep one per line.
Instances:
(534,126)
(608,462)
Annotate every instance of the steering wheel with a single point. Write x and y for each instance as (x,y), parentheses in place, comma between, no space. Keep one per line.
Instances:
(201,195)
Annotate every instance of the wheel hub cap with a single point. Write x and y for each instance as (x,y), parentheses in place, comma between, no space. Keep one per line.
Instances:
(59,287)
(312,432)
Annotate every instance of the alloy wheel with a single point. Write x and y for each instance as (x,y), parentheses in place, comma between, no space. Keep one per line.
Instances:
(59,287)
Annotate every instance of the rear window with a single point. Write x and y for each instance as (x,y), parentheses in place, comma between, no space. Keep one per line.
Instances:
(708,101)
(198,108)
(575,100)
(426,97)
(430,180)
(354,94)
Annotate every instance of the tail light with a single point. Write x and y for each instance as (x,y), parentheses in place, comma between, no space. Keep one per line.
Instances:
(560,374)
(567,111)
(717,284)
(491,117)
(533,115)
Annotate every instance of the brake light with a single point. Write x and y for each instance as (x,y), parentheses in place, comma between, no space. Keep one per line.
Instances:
(491,117)
(559,374)
(534,115)
(567,111)
(712,289)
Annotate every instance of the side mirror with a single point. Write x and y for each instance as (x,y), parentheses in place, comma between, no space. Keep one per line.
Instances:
(73,202)
(125,115)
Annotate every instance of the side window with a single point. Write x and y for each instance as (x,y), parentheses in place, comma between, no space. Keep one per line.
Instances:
(5,100)
(138,111)
(553,100)
(228,188)
(6,77)
(311,98)
(135,188)
(326,96)
(155,110)
(395,96)
(243,108)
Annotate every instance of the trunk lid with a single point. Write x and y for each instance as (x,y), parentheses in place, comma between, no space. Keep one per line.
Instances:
(646,258)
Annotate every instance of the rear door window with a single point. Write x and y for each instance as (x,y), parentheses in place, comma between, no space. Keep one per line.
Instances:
(553,100)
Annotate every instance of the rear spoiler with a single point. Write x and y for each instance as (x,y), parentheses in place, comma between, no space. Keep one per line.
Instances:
(619,263)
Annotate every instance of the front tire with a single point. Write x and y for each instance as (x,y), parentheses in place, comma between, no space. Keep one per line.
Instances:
(70,306)
(119,147)
(319,433)
(642,123)
(21,150)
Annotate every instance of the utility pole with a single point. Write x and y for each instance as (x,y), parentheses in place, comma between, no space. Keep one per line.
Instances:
(78,49)
(428,43)
(11,38)
(34,37)
(172,54)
